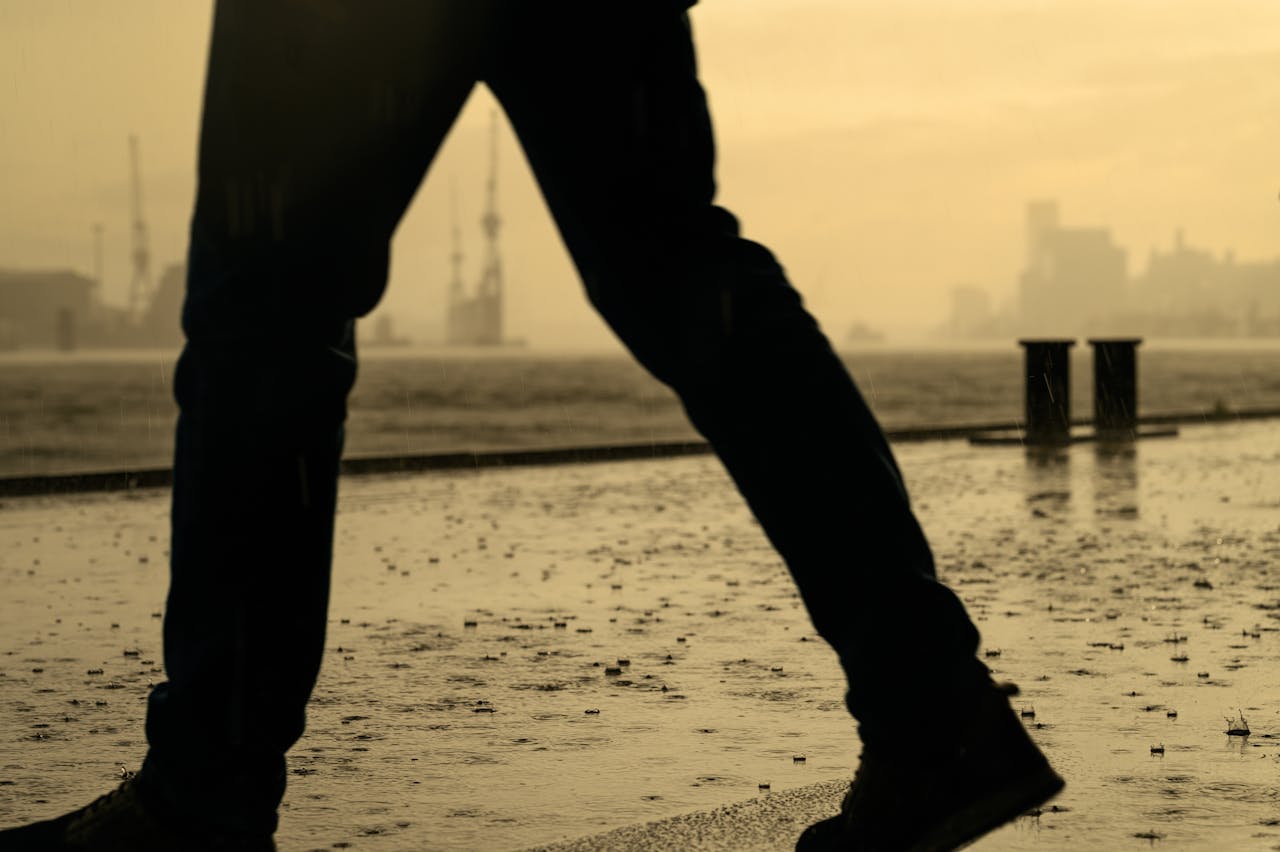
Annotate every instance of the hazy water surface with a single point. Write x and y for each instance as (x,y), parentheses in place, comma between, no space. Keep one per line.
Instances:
(114,410)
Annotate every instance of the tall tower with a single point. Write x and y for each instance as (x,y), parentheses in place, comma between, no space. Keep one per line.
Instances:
(455,322)
(1034,297)
(140,288)
(1042,220)
(489,330)
(476,320)
(96,298)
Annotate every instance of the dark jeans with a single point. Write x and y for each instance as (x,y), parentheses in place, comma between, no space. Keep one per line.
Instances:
(320,120)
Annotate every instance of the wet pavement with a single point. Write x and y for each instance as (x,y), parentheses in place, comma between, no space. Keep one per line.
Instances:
(526,657)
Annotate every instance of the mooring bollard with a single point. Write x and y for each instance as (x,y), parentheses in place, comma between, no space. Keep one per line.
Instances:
(1115,387)
(1048,369)
(1048,401)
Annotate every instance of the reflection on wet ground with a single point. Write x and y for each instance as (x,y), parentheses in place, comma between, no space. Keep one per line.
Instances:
(523,656)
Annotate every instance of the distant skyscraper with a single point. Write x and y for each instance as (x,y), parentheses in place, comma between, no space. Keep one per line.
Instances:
(1042,220)
(970,312)
(1073,278)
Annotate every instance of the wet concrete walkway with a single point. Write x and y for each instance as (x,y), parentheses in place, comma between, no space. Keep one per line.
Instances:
(528,657)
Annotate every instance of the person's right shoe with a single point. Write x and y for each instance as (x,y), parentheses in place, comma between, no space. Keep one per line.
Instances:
(944,799)
(121,821)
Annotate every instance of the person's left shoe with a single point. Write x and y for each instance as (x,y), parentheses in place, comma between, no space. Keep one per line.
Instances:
(986,774)
(121,822)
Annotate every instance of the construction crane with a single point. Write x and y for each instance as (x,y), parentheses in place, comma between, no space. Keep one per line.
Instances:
(490,294)
(491,283)
(97,266)
(476,320)
(140,286)
(457,289)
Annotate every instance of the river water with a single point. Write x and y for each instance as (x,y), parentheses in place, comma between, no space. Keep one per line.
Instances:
(112,410)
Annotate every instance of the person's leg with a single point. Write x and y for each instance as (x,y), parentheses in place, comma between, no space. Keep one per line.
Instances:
(606,101)
(320,121)
(320,118)
(607,104)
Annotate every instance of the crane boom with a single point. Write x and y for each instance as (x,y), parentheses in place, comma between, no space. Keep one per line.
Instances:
(140,289)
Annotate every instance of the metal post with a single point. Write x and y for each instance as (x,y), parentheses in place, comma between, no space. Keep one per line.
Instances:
(1048,369)
(1115,387)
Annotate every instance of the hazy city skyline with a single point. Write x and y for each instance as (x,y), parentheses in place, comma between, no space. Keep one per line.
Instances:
(884,151)
(1077,280)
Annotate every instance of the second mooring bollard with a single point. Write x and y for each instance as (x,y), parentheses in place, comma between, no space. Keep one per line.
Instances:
(1115,387)
(1048,369)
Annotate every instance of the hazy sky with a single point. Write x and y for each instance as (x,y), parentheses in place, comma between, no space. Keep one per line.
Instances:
(884,150)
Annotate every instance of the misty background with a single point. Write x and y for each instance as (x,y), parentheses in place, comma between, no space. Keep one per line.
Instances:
(885,151)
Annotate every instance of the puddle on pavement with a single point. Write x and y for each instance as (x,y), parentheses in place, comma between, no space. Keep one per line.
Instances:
(516,657)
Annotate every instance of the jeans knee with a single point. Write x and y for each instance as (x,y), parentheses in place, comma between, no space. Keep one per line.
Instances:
(312,284)
(265,393)
(707,325)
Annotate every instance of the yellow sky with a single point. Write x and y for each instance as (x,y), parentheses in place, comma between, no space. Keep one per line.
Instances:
(883,149)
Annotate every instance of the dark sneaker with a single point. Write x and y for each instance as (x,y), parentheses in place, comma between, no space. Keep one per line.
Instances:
(119,822)
(946,798)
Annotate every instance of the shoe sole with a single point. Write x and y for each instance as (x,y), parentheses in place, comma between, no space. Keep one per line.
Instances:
(1005,805)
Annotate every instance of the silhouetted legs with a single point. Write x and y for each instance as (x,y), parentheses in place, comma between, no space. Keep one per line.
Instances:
(320,120)
(624,155)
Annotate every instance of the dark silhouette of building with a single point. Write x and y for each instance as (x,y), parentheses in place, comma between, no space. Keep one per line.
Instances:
(161,322)
(971,314)
(1188,292)
(53,308)
(1256,288)
(384,333)
(45,308)
(861,333)
(1177,281)
(1074,284)
(1073,277)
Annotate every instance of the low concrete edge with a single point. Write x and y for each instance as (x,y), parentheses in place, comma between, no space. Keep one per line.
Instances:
(129,480)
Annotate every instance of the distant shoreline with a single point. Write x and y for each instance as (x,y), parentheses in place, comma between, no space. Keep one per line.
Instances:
(28,357)
(92,481)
